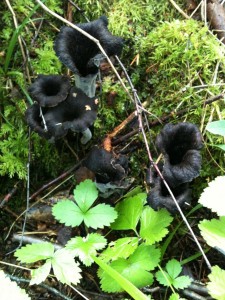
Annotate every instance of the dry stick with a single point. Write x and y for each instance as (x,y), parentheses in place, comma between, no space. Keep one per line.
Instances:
(139,118)
(9,195)
(49,184)
(172,114)
(179,9)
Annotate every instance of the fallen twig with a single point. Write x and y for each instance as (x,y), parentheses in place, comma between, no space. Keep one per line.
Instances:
(9,195)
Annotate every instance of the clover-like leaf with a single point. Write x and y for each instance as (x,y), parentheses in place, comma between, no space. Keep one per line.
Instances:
(65,268)
(35,252)
(212,195)
(153,225)
(121,248)
(129,212)
(85,194)
(171,277)
(99,216)
(213,232)
(67,212)
(135,269)
(216,285)
(10,290)
(85,247)
(40,274)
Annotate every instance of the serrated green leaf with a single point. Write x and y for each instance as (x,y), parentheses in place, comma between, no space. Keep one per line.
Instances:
(10,290)
(214,232)
(216,286)
(145,257)
(129,212)
(173,268)
(85,194)
(175,297)
(216,127)
(212,195)
(163,278)
(99,216)
(67,212)
(85,247)
(35,252)
(135,268)
(65,268)
(40,274)
(153,225)
(170,277)
(181,282)
(138,277)
(121,248)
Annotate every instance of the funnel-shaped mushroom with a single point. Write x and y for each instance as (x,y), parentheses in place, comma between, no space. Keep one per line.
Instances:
(159,197)
(106,166)
(78,112)
(49,90)
(180,145)
(81,55)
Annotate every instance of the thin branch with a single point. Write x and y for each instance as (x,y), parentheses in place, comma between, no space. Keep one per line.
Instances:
(179,9)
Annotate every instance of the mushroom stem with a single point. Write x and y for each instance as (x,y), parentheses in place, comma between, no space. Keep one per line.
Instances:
(86,84)
(87,135)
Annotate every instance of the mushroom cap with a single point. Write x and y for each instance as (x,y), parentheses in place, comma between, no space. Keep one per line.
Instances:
(79,53)
(105,166)
(159,197)
(49,90)
(78,112)
(180,145)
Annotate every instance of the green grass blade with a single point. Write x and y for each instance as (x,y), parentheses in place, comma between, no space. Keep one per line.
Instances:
(14,38)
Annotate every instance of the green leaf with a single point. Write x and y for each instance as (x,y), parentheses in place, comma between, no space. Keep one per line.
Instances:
(99,216)
(123,282)
(213,195)
(221,146)
(216,127)
(122,247)
(35,252)
(216,286)
(170,277)
(129,212)
(40,274)
(65,268)
(174,268)
(85,247)
(134,268)
(67,212)
(10,290)
(153,224)
(85,194)
(214,232)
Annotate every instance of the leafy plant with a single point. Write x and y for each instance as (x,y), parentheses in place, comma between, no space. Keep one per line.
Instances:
(145,258)
(10,290)
(171,277)
(64,267)
(216,285)
(73,214)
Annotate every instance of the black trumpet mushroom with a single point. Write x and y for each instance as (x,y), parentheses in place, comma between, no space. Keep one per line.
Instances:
(81,55)
(159,197)
(180,145)
(50,90)
(78,112)
(106,166)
